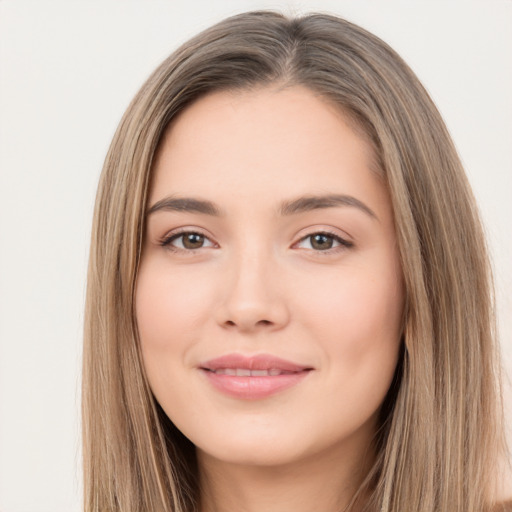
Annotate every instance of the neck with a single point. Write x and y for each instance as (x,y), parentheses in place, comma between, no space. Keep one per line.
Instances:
(323,483)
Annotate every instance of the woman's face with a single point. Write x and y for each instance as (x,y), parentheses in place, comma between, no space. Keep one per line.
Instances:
(269,297)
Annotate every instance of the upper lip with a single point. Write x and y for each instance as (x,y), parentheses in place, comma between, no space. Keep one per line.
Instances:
(255,362)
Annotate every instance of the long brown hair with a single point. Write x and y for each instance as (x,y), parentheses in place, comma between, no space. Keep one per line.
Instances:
(441,429)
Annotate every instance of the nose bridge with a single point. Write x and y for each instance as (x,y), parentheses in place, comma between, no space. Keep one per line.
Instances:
(253,298)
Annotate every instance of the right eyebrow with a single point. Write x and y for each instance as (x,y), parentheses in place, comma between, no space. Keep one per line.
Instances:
(185,204)
(308,203)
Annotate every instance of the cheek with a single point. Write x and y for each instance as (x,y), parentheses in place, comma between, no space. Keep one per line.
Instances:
(357,320)
(360,337)
(167,305)
(171,312)
(355,302)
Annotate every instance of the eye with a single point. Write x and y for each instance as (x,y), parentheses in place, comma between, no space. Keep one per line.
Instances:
(187,240)
(323,242)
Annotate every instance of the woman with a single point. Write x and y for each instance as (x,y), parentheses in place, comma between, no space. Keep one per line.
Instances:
(288,295)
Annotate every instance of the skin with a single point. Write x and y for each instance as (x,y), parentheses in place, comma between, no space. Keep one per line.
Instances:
(260,284)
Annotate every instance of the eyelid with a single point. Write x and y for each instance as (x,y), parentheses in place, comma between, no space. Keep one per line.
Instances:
(170,236)
(343,243)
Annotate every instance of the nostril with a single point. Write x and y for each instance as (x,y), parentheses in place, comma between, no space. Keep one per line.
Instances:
(231,323)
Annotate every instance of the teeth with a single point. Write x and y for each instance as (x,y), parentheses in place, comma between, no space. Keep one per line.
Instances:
(259,373)
(244,372)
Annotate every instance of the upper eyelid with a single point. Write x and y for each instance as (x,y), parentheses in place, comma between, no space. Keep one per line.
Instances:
(322,232)
(344,242)
(175,234)
(327,230)
(185,230)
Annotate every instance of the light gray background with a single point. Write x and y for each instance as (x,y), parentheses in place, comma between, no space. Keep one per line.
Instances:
(67,71)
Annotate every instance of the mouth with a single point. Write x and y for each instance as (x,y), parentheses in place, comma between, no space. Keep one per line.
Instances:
(245,372)
(253,377)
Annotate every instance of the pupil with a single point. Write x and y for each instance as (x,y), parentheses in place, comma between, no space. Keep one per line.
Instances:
(193,241)
(321,242)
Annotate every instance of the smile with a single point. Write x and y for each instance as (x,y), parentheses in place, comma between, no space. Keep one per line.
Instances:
(253,377)
(244,372)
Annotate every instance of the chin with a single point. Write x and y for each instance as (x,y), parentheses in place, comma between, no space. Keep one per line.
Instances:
(261,453)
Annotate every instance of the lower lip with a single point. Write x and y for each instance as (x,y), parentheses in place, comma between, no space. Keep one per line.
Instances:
(254,388)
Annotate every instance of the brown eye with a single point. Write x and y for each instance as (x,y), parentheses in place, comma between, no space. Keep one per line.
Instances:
(187,241)
(192,240)
(322,242)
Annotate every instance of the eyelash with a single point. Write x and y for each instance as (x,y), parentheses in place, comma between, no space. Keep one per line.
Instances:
(343,244)
(167,240)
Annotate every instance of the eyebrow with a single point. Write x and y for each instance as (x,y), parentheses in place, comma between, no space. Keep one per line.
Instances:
(185,204)
(308,203)
(293,207)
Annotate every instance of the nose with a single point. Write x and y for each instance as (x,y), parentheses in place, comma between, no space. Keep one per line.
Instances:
(252,298)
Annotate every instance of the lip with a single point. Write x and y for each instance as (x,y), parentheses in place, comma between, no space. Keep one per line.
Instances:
(253,387)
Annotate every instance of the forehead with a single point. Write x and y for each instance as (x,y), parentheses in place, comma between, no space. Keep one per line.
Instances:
(262,143)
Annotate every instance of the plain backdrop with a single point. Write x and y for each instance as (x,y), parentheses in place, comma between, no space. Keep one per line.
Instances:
(67,72)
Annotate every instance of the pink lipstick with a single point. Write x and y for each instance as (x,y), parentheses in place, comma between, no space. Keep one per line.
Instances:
(253,377)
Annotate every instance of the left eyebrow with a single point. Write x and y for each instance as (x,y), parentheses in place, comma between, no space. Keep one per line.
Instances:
(308,203)
(185,204)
